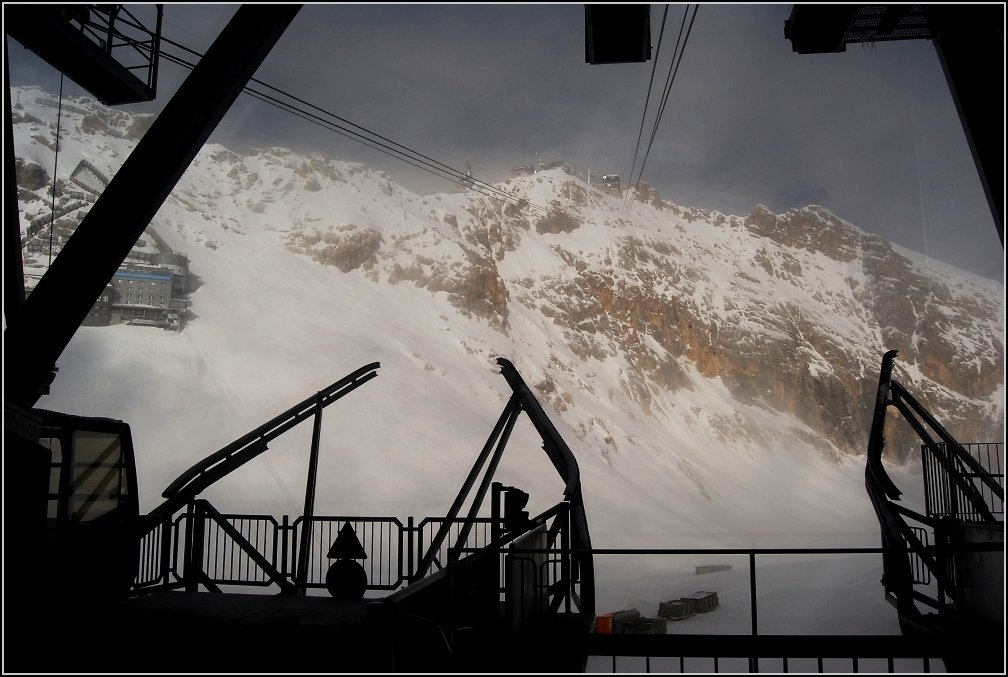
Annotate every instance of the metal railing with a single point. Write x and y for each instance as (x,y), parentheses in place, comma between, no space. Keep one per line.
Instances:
(381,537)
(479,537)
(738,652)
(224,562)
(767,653)
(535,582)
(155,557)
(220,548)
(945,474)
(962,495)
(919,572)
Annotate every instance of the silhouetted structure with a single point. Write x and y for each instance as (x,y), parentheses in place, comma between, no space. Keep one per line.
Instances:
(90,258)
(617,33)
(96,534)
(78,40)
(346,579)
(101,313)
(969,39)
(544,609)
(522,598)
(967,557)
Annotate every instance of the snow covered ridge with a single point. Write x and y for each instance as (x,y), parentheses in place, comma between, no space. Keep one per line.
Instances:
(674,341)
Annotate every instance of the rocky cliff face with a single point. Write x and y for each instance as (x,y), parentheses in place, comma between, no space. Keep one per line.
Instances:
(791,312)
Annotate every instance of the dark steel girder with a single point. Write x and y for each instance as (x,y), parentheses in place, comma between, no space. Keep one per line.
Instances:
(47,30)
(970,45)
(50,316)
(969,40)
(13,264)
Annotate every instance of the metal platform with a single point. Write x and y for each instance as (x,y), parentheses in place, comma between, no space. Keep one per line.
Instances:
(78,41)
(204,632)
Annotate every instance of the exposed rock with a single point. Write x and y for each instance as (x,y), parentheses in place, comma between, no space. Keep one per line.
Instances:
(346,249)
(557,222)
(139,126)
(91,124)
(30,176)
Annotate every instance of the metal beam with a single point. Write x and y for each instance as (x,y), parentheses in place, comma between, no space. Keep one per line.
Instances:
(969,40)
(487,478)
(201,475)
(49,31)
(304,549)
(13,265)
(617,33)
(47,321)
(205,508)
(427,558)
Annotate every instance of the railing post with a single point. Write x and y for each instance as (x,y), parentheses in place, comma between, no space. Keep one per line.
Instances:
(409,550)
(166,541)
(496,489)
(565,567)
(187,546)
(194,547)
(420,550)
(753,661)
(752,591)
(495,528)
(450,565)
(953,486)
(284,553)
(304,548)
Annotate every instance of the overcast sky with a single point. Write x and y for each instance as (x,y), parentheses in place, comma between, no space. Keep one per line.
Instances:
(872,133)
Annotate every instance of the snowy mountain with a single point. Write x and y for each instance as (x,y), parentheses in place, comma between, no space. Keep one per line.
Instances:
(714,374)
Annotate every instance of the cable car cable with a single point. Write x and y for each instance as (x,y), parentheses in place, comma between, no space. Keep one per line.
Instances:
(647,99)
(325,124)
(661,106)
(458,175)
(52,208)
(671,80)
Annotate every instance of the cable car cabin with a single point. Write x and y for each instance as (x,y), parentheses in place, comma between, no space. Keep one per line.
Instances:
(90,548)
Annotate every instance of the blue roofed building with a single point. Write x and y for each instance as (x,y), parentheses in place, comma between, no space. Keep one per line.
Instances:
(143,295)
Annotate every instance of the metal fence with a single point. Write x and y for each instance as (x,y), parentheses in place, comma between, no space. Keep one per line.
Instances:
(945,475)
(206,543)
(225,562)
(155,557)
(738,651)
(770,653)
(381,537)
(479,537)
(531,576)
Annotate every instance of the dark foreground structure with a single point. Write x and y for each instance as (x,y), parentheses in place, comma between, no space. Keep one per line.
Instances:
(156,583)
(958,541)
(93,586)
(187,588)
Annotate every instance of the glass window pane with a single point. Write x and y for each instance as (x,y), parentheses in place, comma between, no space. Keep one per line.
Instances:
(98,478)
